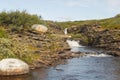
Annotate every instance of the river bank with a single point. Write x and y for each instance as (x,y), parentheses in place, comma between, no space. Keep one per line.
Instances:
(96,36)
(35,48)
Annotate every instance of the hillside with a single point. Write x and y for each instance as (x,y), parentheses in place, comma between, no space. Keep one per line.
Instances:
(109,23)
(103,33)
(19,40)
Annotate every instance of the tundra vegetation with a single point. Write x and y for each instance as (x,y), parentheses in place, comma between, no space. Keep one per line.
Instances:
(19,40)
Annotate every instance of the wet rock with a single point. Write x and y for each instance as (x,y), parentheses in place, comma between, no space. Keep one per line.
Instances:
(13,66)
(113,53)
(58,69)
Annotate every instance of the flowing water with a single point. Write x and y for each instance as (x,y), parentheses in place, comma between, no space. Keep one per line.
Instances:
(76,47)
(90,67)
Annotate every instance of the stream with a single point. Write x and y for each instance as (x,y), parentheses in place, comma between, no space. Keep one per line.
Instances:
(91,67)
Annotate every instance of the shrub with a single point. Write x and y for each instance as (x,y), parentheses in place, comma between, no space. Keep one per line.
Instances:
(18,18)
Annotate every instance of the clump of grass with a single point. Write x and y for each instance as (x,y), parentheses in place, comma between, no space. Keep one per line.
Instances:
(14,49)
(22,51)
(3,33)
(5,51)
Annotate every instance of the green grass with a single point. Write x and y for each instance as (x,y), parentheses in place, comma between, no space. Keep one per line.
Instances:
(109,23)
(14,49)
(3,33)
(76,35)
(5,51)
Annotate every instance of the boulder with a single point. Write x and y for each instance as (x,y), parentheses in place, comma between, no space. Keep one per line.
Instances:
(40,28)
(11,66)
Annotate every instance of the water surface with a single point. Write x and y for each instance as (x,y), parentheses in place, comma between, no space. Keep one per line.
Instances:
(85,68)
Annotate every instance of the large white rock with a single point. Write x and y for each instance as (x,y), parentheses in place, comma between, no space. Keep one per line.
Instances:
(40,28)
(11,66)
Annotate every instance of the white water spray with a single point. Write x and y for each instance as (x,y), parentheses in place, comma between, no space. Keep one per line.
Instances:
(73,43)
(98,55)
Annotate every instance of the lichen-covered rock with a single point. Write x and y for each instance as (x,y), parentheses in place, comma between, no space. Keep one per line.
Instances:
(11,66)
(40,28)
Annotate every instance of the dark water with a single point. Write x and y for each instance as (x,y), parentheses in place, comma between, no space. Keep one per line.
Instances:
(84,68)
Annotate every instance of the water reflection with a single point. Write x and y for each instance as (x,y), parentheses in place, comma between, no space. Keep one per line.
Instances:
(37,74)
(40,74)
(22,77)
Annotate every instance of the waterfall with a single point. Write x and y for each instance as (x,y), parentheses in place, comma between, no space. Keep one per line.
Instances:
(65,31)
(76,47)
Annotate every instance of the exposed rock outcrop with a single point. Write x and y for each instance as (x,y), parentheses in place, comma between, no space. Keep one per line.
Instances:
(98,37)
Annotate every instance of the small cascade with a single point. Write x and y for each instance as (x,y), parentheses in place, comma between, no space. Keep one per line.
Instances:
(73,43)
(90,52)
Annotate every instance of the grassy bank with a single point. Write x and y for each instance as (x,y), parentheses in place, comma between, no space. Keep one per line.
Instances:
(32,47)
(18,40)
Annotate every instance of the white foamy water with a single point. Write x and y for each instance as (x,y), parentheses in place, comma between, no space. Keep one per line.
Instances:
(98,55)
(65,31)
(73,43)
(92,52)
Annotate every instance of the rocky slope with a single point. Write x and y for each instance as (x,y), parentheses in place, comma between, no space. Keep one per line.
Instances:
(94,35)
(42,49)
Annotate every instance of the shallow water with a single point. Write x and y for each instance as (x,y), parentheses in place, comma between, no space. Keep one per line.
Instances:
(87,49)
(91,68)
(85,68)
